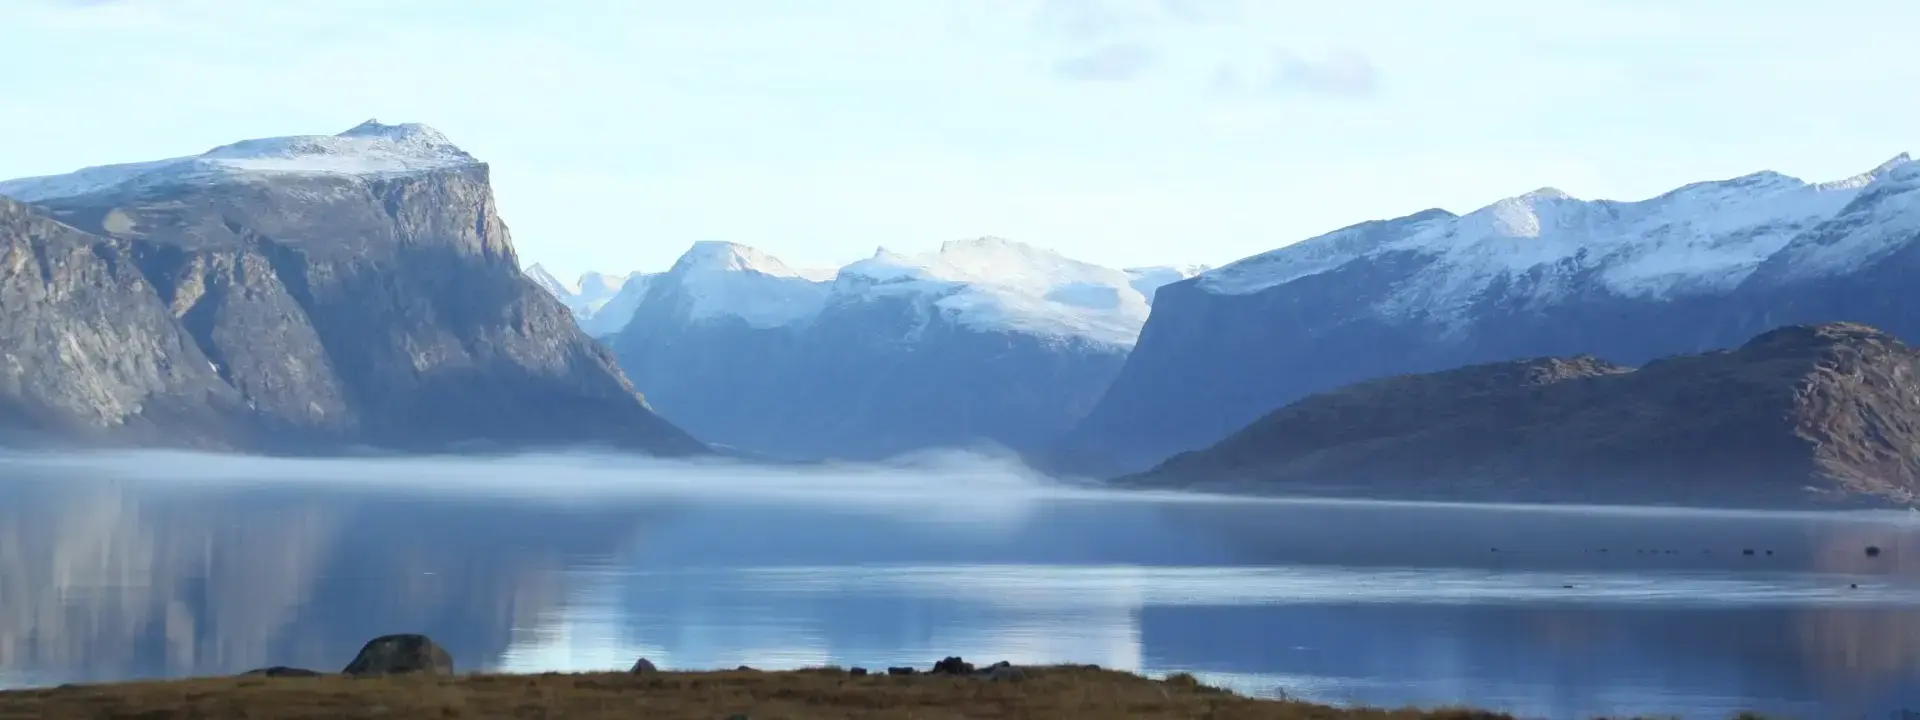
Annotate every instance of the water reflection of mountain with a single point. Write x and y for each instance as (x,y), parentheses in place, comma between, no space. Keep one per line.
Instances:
(100,582)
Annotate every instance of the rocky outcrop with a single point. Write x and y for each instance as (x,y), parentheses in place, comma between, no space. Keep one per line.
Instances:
(401,654)
(333,309)
(1821,416)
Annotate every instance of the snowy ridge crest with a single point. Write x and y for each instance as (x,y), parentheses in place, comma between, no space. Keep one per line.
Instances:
(1701,238)
(995,284)
(367,150)
(987,284)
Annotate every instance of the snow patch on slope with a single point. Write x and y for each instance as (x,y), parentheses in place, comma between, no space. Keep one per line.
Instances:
(993,284)
(368,150)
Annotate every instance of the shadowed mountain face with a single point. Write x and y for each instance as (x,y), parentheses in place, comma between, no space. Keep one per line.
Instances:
(207,301)
(1825,415)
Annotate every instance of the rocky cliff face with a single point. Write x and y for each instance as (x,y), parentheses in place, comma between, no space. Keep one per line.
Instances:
(1706,266)
(1825,415)
(90,349)
(381,304)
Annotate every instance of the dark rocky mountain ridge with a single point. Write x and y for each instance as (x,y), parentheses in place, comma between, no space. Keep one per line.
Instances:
(1801,416)
(226,300)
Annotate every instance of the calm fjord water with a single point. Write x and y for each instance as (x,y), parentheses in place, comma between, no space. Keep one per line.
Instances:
(160,565)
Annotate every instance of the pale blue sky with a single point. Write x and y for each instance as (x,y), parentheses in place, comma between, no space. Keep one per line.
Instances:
(1124,132)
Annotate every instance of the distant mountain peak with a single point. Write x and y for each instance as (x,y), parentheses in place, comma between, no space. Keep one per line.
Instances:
(1546,193)
(374,128)
(723,256)
(540,276)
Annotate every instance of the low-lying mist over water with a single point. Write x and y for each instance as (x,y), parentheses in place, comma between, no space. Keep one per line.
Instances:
(158,564)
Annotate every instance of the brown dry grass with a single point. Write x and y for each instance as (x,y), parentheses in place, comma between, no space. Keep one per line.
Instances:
(1045,694)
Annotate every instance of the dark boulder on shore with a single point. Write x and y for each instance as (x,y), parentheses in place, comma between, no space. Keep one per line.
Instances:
(399,654)
(952,666)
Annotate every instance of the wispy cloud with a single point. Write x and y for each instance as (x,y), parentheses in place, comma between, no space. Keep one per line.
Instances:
(1119,40)
(1115,62)
(1203,11)
(1341,73)
(1086,19)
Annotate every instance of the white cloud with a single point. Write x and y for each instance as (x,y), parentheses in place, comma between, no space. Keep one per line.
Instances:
(1341,73)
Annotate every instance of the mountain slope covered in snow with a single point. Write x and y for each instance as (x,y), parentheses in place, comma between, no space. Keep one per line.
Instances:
(1702,267)
(980,341)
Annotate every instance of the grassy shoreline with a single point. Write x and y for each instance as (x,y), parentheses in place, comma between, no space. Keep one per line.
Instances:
(1041,693)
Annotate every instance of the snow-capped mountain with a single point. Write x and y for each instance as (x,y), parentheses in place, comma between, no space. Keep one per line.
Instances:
(601,303)
(722,282)
(369,150)
(995,285)
(1702,267)
(307,293)
(982,340)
